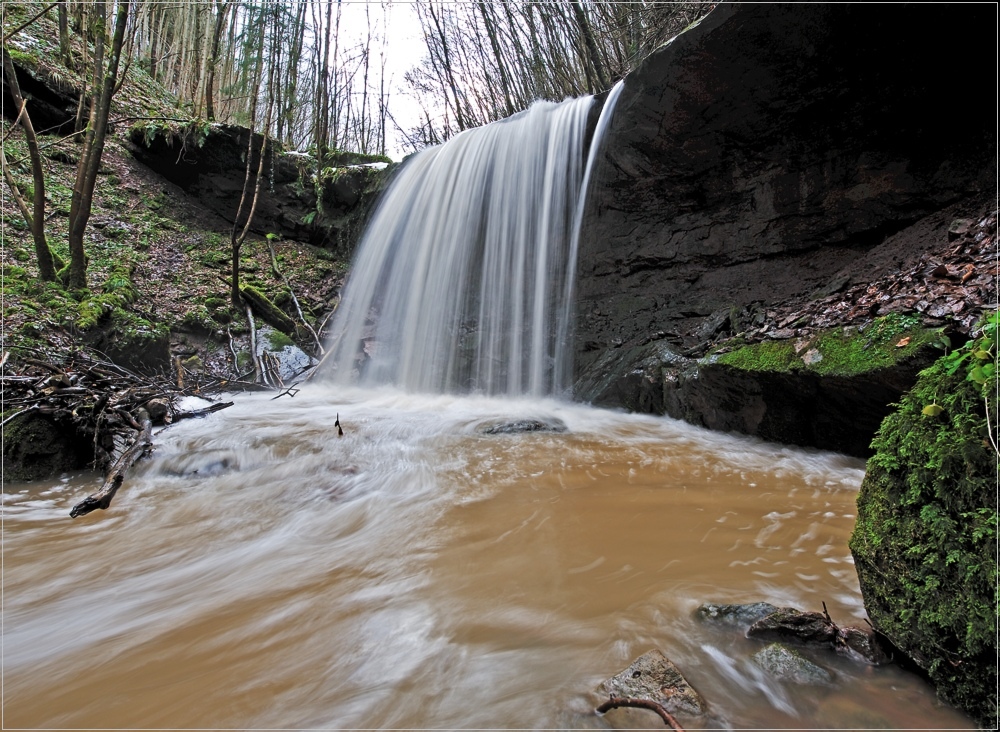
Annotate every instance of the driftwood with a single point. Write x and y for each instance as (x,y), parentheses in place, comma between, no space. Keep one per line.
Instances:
(621,701)
(141,444)
(103,404)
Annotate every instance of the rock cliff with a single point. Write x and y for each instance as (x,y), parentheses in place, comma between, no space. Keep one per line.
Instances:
(771,156)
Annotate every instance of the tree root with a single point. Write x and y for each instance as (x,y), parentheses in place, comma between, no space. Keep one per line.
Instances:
(621,701)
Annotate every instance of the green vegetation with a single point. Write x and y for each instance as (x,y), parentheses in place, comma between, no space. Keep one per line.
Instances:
(841,351)
(925,543)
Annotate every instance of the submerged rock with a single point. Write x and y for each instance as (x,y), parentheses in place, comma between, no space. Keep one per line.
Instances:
(517,426)
(739,615)
(787,664)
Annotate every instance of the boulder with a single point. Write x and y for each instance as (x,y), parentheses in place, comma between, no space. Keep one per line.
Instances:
(654,677)
(787,664)
(924,543)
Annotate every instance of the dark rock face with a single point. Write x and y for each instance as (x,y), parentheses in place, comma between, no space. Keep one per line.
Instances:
(834,412)
(765,155)
(213,170)
(36,447)
(53,103)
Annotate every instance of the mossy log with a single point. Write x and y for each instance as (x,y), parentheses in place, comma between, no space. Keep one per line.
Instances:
(267,310)
(924,544)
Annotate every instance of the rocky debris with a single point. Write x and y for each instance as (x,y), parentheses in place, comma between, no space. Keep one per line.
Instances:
(787,664)
(951,285)
(518,426)
(764,621)
(654,678)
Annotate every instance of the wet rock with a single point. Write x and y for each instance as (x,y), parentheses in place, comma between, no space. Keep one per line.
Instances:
(863,643)
(517,426)
(654,677)
(737,615)
(787,664)
(790,624)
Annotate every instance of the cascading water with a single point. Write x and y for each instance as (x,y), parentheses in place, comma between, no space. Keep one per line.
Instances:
(464,279)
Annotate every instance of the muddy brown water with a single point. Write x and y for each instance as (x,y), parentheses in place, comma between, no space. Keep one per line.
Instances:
(259,572)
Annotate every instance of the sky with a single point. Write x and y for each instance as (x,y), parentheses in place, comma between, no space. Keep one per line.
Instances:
(404,49)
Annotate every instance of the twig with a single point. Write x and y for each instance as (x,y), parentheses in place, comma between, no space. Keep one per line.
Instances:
(290,391)
(20,114)
(295,300)
(989,429)
(620,701)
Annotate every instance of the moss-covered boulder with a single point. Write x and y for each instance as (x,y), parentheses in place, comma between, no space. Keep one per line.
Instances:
(925,540)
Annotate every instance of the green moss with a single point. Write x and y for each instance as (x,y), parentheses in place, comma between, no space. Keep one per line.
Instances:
(267,310)
(924,543)
(279,340)
(840,351)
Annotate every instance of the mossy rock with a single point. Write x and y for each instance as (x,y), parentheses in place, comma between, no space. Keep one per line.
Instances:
(925,539)
(267,310)
(35,448)
(848,351)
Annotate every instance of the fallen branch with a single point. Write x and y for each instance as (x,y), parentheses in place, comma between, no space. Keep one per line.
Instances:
(621,701)
(202,412)
(116,476)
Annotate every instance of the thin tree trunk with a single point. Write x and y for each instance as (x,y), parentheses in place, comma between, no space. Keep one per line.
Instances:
(220,21)
(36,222)
(90,160)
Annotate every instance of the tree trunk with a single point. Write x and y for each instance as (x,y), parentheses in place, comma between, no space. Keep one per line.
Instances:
(36,222)
(220,22)
(90,160)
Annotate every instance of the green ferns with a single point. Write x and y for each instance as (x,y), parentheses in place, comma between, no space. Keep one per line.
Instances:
(925,542)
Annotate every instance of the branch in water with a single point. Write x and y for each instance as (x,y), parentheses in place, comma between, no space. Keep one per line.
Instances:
(621,701)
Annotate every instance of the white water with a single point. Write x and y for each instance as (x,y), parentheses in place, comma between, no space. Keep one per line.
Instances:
(464,279)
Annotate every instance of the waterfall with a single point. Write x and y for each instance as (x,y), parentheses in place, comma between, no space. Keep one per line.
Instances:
(463,281)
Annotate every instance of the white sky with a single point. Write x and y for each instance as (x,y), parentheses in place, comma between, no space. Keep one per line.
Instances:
(404,49)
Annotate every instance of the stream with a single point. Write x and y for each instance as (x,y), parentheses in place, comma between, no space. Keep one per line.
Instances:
(260,572)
